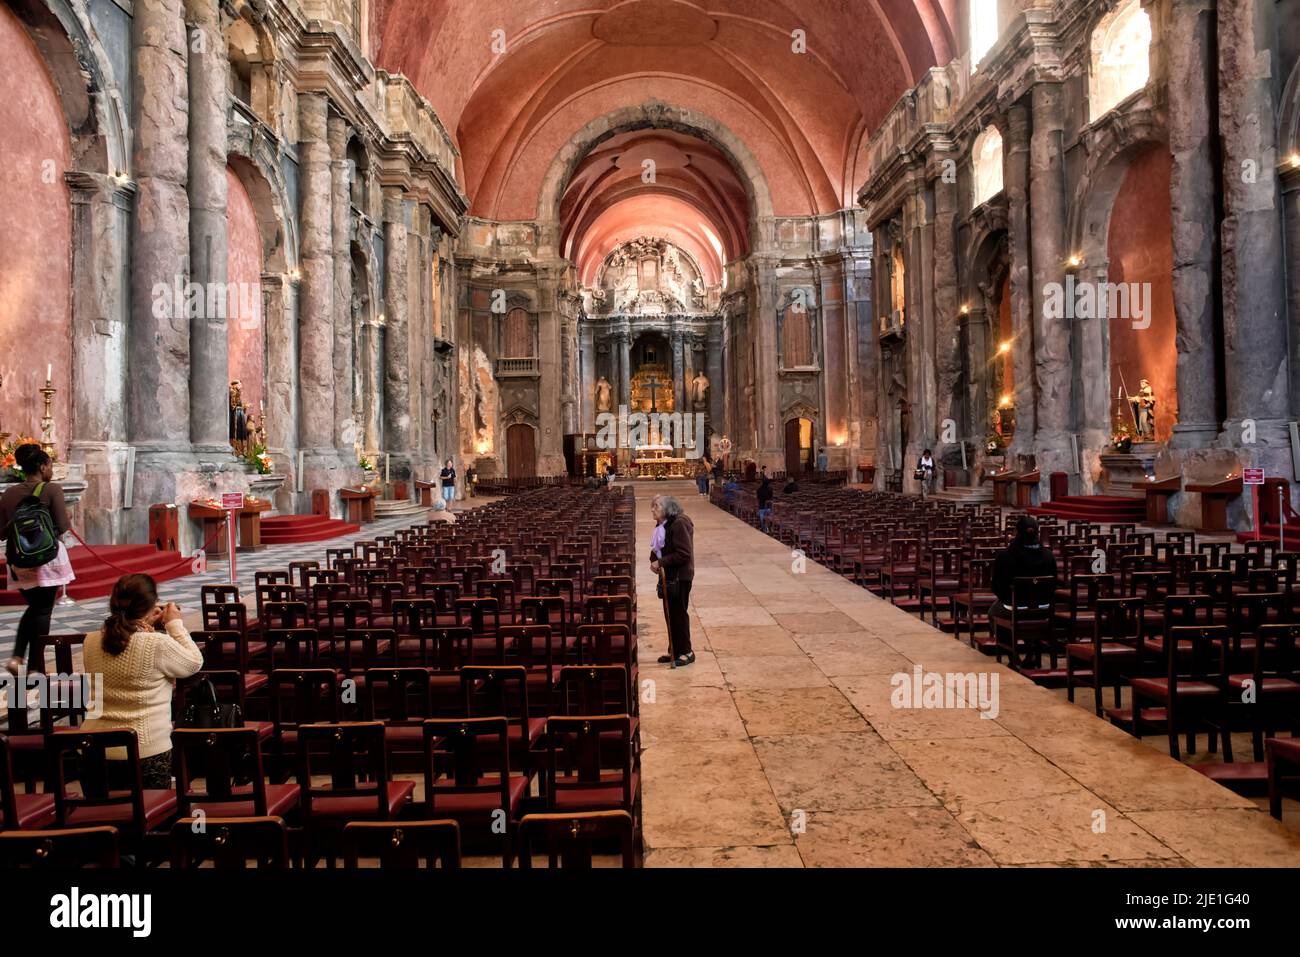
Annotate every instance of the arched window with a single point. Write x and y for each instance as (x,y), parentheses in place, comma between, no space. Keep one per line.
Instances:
(983,29)
(986,162)
(796,337)
(1121,62)
(519,336)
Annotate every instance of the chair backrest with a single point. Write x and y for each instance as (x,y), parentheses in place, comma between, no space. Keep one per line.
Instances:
(482,615)
(1188,611)
(85,754)
(496,690)
(1032,598)
(352,754)
(580,745)
(1198,653)
(227,760)
(286,614)
(608,609)
(60,849)
(592,689)
(568,840)
(466,756)
(223,648)
(230,843)
(402,845)
(303,696)
(398,696)
(1276,653)
(1119,619)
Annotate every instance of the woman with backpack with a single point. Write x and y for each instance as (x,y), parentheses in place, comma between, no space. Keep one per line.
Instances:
(33,518)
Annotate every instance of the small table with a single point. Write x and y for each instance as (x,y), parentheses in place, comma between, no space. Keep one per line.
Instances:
(1002,482)
(1214,502)
(212,520)
(426,490)
(1025,485)
(1157,494)
(360,503)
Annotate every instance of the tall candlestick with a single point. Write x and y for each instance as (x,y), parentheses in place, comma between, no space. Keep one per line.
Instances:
(47,419)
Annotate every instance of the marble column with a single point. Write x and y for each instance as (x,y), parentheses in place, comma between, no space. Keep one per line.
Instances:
(623,352)
(680,382)
(101,227)
(397,365)
(280,319)
(718,386)
(762,329)
(947,319)
(316,305)
(1016,182)
(1189,55)
(346,432)
(1254,306)
(1047,215)
(983,363)
(209,336)
(587,381)
(159,345)
(550,451)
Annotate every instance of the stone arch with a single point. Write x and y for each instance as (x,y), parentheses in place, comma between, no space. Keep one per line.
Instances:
(987,374)
(253,163)
(654,115)
(1122,139)
(1109,42)
(82,75)
(1288,116)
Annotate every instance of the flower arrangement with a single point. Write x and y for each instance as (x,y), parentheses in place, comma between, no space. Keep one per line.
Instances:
(9,470)
(995,444)
(259,458)
(365,464)
(1122,440)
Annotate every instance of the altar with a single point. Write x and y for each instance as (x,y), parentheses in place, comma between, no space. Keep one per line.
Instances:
(658,461)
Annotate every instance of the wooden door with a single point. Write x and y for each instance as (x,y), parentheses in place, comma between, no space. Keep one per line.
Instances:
(521,452)
(793,458)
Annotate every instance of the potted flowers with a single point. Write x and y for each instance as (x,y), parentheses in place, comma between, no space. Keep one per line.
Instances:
(1122,440)
(258,458)
(9,470)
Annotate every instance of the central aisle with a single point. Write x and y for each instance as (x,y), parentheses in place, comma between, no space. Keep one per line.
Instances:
(780,745)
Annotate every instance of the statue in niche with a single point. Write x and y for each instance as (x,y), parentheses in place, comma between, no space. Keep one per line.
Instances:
(604,395)
(700,390)
(1144,412)
(697,291)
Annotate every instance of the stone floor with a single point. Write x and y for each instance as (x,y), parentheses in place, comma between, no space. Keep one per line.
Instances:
(781,746)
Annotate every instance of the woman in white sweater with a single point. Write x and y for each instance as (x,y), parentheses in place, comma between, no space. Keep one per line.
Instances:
(142,650)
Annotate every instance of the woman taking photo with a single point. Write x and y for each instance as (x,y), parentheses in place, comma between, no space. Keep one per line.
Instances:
(38,584)
(143,648)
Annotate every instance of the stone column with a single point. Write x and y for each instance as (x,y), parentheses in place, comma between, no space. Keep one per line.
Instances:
(680,382)
(922,386)
(947,320)
(1254,306)
(397,365)
(101,226)
(550,451)
(587,381)
(158,408)
(980,358)
(718,386)
(1189,56)
(280,319)
(762,328)
(1016,182)
(346,431)
(209,336)
(316,305)
(1047,212)
(623,352)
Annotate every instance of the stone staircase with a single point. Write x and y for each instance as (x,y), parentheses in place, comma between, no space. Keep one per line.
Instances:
(398,508)
(967,494)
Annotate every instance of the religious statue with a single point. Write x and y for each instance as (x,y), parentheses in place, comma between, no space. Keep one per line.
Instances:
(697,291)
(700,390)
(604,395)
(1144,412)
(238,417)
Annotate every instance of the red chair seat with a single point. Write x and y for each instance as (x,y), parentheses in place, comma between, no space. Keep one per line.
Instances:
(159,806)
(255,681)
(604,796)
(280,800)
(1110,650)
(27,743)
(1159,688)
(407,735)
(1269,685)
(33,811)
(1286,748)
(364,807)
(536,728)
(475,805)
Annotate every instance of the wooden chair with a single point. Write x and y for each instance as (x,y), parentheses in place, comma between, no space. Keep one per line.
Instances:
(1114,652)
(1190,695)
(569,840)
(230,843)
(60,850)
(403,844)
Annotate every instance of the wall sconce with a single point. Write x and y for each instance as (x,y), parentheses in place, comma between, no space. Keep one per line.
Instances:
(1004,348)
(1294,160)
(965,310)
(1005,403)
(1075,261)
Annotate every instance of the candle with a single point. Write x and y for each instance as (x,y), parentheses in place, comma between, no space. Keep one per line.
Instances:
(49,372)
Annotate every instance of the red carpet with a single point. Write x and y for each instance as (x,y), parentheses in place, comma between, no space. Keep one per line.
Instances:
(95,579)
(1095,508)
(288,529)
(1273,532)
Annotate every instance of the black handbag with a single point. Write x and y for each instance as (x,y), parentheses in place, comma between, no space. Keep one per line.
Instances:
(206,711)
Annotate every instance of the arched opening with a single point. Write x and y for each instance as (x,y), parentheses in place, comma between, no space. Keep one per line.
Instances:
(1142,328)
(245,329)
(986,162)
(521,451)
(653,374)
(1121,64)
(35,259)
(983,16)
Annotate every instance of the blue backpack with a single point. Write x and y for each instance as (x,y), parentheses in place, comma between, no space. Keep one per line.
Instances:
(31,537)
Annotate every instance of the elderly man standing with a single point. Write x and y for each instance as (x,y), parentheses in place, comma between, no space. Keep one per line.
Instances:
(676,558)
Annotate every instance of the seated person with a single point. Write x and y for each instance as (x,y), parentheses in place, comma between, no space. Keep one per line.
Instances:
(729,492)
(764,496)
(441,513)
(790,487)
(1023,558)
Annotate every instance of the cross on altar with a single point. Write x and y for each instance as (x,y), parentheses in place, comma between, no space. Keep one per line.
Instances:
(654,385)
